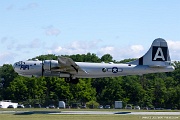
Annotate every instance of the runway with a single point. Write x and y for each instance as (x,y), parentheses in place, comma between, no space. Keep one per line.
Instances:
(90,113)
(118,113)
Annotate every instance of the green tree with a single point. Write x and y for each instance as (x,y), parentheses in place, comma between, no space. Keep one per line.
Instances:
(83,91)
(36,89)
(159,92)
(17,90)
(107,58)
(112,91)
(176,73)
(8,74)
(133,89)
(63,90)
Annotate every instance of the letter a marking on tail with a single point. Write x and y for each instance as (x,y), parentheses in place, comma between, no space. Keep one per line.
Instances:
(157,55)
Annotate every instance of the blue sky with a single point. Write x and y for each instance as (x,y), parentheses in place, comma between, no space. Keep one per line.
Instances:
(122,28)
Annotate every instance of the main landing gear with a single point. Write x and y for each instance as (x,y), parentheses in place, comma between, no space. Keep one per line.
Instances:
(71,80)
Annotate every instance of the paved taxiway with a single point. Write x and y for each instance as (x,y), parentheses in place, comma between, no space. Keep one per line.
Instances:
(89,112)
(118,113)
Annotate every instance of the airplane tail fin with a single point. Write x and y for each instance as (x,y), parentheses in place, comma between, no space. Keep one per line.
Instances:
(156,56)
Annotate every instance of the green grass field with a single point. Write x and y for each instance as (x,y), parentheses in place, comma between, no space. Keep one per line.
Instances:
(13,116)
(67,117)
(83,117)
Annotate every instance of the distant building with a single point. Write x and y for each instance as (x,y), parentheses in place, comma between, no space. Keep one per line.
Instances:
(118,105)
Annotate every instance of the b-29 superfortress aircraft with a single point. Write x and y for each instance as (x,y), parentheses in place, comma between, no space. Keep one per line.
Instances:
(156,60)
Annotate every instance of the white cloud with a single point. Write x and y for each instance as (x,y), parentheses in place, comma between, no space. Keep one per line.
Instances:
(35,44)
(67,50)
(120,53)
(7,42)
(56,50)
(83,47)
(174,45)
(3,39)
(6,58)
(76,47)
(107,50)
(10,7)
(52,31)
(88,45)
(174,49)
(30,6)
(136,48)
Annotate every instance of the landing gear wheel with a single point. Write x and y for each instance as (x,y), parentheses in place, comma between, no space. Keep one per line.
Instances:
(75,81)
(67,80)
(71,80)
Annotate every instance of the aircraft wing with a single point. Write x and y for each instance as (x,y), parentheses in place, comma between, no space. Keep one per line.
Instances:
(68,65)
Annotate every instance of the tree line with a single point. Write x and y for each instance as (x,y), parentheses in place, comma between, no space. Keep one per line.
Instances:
(152,90)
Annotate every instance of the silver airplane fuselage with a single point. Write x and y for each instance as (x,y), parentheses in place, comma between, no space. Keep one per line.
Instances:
(90,70)
(156,60)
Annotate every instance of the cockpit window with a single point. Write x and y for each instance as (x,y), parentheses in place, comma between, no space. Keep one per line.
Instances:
(20,63)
